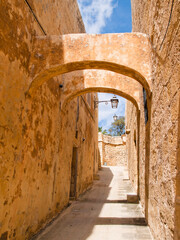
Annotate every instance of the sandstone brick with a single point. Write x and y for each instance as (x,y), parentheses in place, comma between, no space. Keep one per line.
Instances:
(36,137)
(112,150)
(159,20)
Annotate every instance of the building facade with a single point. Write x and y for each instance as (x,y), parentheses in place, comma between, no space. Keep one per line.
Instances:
(48,155)
(48,122)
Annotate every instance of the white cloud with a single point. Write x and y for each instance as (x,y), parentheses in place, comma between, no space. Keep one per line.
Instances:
(95,13)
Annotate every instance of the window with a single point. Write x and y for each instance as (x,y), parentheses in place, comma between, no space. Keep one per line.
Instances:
(145,106)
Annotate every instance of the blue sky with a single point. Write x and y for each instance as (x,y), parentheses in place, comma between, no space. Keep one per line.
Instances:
(107,16)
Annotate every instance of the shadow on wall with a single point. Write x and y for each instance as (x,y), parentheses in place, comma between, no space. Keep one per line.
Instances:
(81,115)
(177,203)
(34,175)
(99,160)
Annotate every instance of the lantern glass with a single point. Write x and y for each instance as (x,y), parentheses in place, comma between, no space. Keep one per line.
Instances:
(115,117)
(114,102)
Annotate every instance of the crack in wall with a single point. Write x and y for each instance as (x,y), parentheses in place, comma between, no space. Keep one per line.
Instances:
(87,108)
(172,4)
(39,24)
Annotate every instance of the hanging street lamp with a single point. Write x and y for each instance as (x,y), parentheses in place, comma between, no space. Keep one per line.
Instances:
(114,102)
(115,117)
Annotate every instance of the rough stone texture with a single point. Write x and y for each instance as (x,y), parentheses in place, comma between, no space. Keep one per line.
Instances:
(58,17)
(132,198)
(38,133)
(124,53)
(115,155)
(131,147)
(36,137)
(101,81)
(160,20)
(112,150)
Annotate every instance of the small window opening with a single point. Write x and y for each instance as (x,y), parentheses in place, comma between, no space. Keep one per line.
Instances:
(145,106)
(135,137)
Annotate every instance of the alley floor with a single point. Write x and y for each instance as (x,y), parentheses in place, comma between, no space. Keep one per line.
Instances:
(102,213)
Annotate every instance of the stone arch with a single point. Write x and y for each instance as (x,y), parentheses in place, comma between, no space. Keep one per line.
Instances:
(126,53)
(117,92)
(99,65)
(104,90)
(99,81)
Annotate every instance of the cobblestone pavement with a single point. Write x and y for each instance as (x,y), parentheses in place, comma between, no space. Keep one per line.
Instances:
(102,213)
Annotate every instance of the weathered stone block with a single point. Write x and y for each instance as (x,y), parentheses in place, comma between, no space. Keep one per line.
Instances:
(132,198)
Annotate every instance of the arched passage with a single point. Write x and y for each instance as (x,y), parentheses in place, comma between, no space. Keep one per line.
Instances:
(123,86)
(122,94)
(103,90)
(127,54)
(74,66)
(98,81)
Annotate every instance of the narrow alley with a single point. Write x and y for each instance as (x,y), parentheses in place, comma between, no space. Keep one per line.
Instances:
(101,213)
(89,120)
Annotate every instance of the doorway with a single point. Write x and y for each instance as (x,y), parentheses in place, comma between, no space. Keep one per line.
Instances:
(73,182)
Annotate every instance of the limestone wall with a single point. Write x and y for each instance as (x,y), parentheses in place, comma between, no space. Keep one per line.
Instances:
(36,136)
(160,20)
(131,148)
(112,150)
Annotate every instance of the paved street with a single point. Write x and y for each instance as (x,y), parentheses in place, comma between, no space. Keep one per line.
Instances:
(102,213)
